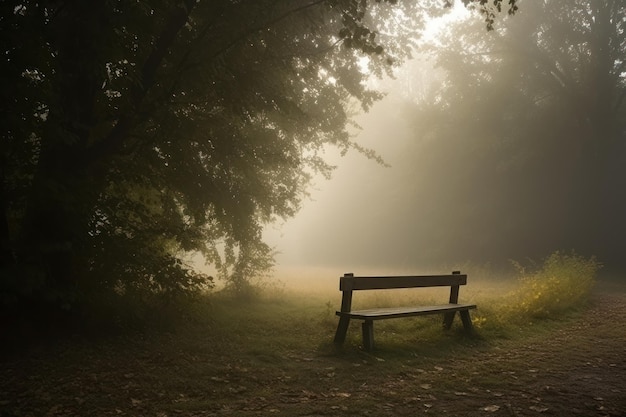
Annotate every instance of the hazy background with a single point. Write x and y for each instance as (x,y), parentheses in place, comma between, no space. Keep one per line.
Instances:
(373,218)
(356,217)
(501,145)
(359,218)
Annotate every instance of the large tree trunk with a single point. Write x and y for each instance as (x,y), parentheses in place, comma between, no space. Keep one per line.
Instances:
(74,161)
(62,193)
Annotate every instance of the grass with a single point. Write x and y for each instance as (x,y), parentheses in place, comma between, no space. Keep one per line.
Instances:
(284,319)
(283,323)
(274,354)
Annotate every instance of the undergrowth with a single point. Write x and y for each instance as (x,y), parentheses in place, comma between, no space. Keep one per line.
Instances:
(563,282)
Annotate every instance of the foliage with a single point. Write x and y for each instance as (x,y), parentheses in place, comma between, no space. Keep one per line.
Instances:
(490,11)
(562,282)
(138,133)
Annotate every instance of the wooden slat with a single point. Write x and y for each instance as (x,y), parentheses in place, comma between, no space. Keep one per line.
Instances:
(390,282)
(394,312)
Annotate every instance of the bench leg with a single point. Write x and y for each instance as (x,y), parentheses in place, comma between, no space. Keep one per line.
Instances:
(467,321)
(448,318)
(342,329)
(368,335)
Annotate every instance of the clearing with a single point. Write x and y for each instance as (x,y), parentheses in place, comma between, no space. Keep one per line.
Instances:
(282,362)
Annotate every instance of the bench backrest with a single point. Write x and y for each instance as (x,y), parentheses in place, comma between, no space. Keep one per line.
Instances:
(349,283)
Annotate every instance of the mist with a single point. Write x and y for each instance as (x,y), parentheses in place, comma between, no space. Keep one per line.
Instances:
(503,145)
(356,217)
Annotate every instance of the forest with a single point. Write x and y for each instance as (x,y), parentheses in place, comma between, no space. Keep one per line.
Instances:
(537,108)
(137,135)
(149,148)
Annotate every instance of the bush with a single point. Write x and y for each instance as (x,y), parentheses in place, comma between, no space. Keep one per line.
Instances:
(562,282)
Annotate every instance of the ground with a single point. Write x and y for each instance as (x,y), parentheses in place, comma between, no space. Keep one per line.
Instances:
(574,367)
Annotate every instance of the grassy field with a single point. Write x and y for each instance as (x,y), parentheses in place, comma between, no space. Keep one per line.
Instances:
(273,355)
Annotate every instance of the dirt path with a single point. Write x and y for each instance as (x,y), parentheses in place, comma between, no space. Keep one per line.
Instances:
(577,370)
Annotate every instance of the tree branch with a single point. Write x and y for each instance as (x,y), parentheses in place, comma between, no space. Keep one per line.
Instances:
(119,132)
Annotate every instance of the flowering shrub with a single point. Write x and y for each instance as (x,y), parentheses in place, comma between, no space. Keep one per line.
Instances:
(563,282)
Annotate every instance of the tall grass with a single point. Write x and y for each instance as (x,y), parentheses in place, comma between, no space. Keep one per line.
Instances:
(563,282)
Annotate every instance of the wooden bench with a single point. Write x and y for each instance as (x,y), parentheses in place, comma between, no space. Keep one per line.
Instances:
(349,283)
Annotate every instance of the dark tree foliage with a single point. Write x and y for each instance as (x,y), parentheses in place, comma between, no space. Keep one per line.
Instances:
(136,133)
(541,104)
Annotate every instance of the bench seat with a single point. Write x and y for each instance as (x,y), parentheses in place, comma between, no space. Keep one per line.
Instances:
(391,312)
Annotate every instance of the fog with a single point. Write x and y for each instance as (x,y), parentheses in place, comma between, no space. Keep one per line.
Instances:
(373,217)
(348,220)
(492,155)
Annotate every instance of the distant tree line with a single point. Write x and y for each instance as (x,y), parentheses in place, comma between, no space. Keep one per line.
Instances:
(530,119)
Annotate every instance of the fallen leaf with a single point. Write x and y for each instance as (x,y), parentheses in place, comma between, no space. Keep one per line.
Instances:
(491,408)
(538,409)
(425,386)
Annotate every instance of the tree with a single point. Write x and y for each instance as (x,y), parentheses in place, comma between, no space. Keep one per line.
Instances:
(541,104)
(138,132)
